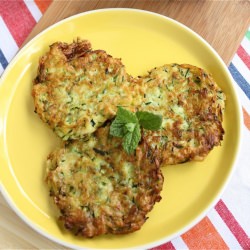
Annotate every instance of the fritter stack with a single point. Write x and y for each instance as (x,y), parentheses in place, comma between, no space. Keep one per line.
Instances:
(96,185)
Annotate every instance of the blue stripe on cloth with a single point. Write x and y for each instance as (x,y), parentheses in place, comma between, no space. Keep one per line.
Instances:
(3,60)
(244,85)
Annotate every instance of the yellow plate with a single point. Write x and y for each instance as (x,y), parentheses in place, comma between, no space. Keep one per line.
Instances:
(143,40)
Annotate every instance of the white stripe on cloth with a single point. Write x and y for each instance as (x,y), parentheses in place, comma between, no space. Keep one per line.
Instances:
(241,67)
(7,43)
(246,45)
(223,230)
(34,10)
(236,196)
(179,243)
(243,98)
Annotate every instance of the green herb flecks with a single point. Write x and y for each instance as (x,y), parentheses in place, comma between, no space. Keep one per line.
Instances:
(93,123)
(187,73)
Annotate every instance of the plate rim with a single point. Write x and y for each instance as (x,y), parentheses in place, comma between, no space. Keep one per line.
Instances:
(192,223)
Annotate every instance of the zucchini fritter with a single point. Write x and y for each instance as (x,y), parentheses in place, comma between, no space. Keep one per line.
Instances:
(100,189)
(77,89)
(192,106)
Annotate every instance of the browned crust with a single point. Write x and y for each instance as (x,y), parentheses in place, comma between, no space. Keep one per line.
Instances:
(128,205)
(69,79)
(202,103)
(68,52)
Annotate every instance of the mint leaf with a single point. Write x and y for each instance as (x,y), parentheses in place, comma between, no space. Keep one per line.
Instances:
(130,126)
(126,116)
(131,139)
(117,128)
(149,120)
(120,126)
(127,125)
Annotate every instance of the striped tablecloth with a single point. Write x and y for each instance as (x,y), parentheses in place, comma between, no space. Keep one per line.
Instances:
(227,225)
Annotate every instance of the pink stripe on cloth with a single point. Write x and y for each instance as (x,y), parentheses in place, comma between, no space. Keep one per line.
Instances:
(18,19)
(233,225)
(244,56)
(165,246)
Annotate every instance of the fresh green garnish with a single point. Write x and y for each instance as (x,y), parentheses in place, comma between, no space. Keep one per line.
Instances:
(149,120)
(128,126)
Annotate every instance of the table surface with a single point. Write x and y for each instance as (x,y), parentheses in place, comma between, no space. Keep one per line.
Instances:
(223,24)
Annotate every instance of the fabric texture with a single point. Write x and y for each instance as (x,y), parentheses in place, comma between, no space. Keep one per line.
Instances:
(227,225)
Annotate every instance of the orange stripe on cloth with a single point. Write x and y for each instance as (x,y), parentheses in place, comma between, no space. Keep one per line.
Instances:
(43,4)
(204,236)
(246,118)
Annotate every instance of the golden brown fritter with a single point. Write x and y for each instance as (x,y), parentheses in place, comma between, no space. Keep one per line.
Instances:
(100,189)
(96,185)
(77,89)
(191,104)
